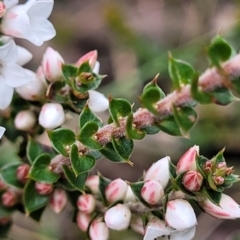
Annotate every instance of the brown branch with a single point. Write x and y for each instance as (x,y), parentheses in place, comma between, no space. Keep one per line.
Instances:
(211,79)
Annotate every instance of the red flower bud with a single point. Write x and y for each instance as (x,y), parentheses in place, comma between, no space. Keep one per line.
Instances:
(9,198)
(43,188)
(22,173)
(58,200)
(86,203)
(207,166)
(192,181)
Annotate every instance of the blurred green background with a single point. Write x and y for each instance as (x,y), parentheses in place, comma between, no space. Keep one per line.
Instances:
(132,38)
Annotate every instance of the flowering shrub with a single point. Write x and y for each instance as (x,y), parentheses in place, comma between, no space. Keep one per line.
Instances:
(160,203)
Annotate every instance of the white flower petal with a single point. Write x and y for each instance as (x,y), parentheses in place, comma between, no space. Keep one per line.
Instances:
(188,234)
(10,3)
(16,76)
(97,101)
(153,232)
(96,67)
(6,94)
(24,56)
(2,130)
(41,8)
(8,52)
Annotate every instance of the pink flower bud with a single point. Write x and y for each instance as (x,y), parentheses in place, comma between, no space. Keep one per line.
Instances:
(207,166)
(192,181)
(118,217)
(92,183)
(97,101)
(86,203)
(180,214)
(3,185)
(98,230)
(222,165)
(52,65)
(34,90)
(116,190)
(91,57)
(43,188)
(52,115)
(22,173)
(9,198)
(4,220)
(58,200)
(25,120)
(2,9)
(83,220)
(159,171)
(218,180)
(136,224)
(228,208)
(187,161)
(152,192)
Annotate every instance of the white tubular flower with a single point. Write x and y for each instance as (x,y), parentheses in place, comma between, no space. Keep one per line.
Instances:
(52,65)
(34,90)
(97,101)
(25,120)
(2,130)
(118,217)
(51,116)
(29,21)
(159,171)
(180,215)
(11,74)
(228,208)
(24,56)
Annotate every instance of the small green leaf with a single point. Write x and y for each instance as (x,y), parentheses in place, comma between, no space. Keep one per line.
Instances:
(223,96)
(172,170)
(86,135)
(211,182)
(88,116)
(119,107)
(152,93)
(110,153)
(212,195)
(136,188)
(200,162)
(58,92)
(39,170)
(133,132)
(8,173)
(201,97)
(219,51)
(185,117)
(180,72)
(80,164)
(154,129)
(85,67)
(34,149)
(77,182)
(31,199)
(124,147)
(169,126)
(70,73)
(230,179)
(62,139)
(219,157)
(103,182)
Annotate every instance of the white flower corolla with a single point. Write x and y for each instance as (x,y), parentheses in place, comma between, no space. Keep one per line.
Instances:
(29,21)
(97,102)
(2,130)
(11,74)
(180,215)
(34,90)
(159,171)
(51,116)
